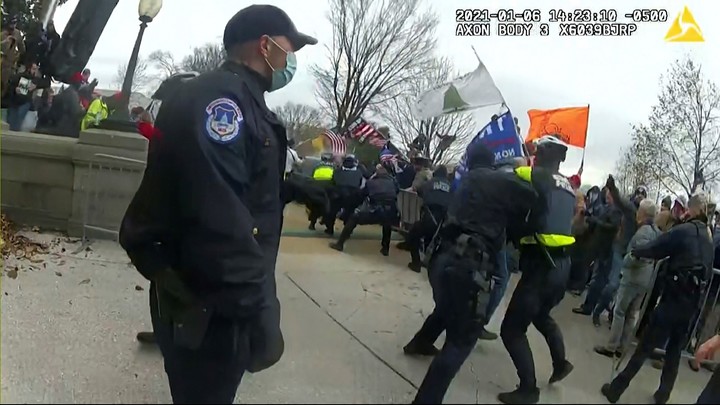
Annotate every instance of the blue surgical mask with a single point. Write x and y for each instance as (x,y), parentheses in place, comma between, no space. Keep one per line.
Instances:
(281,77)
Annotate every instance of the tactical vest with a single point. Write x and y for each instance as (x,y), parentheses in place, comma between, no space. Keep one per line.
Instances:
(555,227)
(436,193)
(348,178)
(323,172)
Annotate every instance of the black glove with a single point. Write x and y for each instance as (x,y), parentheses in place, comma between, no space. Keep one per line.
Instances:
(610,184)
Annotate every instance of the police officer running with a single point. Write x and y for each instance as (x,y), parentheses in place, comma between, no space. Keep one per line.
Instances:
(345,194)
(380,207)
(323,175)
(462,267)
(689,250)
(436,198)
(204,226)
(545,266)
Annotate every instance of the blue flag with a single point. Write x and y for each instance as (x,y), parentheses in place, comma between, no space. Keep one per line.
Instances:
(500,136)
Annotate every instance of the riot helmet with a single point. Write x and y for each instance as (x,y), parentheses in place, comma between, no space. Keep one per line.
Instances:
(350,161)
(550,149)
(326,157)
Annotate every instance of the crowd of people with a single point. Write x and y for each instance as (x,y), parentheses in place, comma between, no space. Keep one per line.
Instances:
(30,102)
(622,255)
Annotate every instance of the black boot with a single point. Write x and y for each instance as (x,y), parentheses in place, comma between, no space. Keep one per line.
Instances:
(610,393)
(520,396)
(146,338)
(487,335)
(311,226)
(329,231)
(561,371)
(418,349)
(661,397)
(414,267)
(385,251)
(337,246)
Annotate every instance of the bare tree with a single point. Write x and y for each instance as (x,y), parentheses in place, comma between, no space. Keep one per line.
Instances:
(377,46)
(204,58)
(142,78)
(638,165)
(683,128)
(302,121)
(443,138)
(165,62)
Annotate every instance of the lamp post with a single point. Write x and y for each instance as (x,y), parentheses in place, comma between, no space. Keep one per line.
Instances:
(120,118)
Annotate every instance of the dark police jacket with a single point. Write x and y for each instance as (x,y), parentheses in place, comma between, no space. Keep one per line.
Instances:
(436,193)
(486,203)
(689,249)
(209,205)
(349,178)
(382,190)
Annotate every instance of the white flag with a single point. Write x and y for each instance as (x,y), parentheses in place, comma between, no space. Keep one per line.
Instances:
(473,90)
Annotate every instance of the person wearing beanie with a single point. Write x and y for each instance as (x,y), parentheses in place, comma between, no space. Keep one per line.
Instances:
(204,226)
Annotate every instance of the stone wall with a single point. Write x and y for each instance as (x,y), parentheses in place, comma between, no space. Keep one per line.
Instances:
(79,186)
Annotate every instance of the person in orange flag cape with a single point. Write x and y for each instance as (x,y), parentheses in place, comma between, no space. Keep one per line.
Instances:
(570,124)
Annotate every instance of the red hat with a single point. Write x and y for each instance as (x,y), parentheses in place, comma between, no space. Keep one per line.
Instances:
(575,181)
(76,78)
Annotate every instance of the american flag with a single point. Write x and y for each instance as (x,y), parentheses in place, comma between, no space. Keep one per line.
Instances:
(386,155)
(362,131)
(337,142)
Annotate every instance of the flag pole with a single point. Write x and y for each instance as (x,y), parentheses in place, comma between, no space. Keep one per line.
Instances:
(587,127)
(476,54)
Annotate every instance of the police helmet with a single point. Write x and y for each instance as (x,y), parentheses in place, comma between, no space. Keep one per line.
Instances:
(326,157)
(551,147)
(350,161)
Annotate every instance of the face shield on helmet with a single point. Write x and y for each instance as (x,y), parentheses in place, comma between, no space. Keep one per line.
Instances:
(326,157)
(550,148)
(350,161)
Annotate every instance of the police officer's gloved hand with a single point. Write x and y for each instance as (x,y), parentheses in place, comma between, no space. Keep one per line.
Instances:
(169,282)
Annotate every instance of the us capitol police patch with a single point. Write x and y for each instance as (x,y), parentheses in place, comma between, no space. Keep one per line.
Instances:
(223,121)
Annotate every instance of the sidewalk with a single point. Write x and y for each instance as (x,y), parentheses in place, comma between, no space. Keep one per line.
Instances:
(68,335)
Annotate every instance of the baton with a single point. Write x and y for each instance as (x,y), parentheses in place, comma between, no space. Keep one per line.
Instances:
(545,251)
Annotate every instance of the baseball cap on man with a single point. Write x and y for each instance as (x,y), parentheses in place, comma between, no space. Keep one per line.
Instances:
(257,20)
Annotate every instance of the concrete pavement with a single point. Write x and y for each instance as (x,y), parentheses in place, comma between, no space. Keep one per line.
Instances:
(68,330)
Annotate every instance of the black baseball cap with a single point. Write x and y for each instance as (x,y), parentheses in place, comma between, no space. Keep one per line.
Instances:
(257,20)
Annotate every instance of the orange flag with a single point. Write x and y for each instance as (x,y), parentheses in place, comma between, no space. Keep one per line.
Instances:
(570,124)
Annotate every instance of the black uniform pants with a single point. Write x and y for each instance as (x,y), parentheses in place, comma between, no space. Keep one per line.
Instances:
(459,310)
(210,374)
(711,393)
(670,322)
(424,229)
(385,216)
(343,199)
(540,289)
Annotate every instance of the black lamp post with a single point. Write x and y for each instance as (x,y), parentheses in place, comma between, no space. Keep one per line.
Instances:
(119,120)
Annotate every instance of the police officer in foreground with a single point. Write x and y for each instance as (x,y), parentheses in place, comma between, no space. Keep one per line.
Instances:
(204,226)
(689,250)
(462,267)
(379,208)
(435,195)
(345,194)
(545,266)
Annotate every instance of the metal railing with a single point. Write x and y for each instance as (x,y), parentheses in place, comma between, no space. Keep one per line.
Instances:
(105,189)
(409,204)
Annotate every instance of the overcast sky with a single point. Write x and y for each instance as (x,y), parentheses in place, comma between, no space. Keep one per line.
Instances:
(618,76)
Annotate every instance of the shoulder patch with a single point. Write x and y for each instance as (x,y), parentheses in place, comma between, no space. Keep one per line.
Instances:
(223,121)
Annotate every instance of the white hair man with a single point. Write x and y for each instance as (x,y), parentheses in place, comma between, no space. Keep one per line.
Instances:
(636,279)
